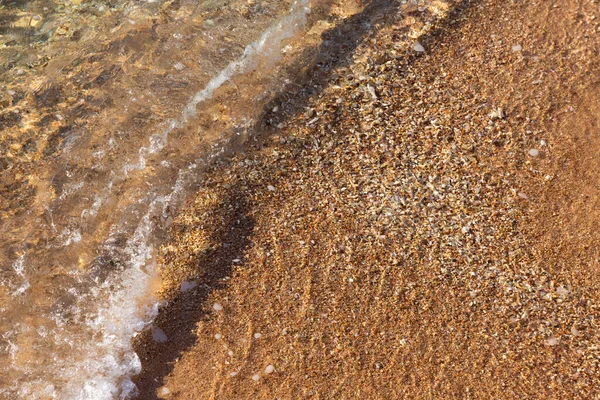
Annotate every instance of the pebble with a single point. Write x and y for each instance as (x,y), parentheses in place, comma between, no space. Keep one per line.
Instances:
(217,307)
(517,47)
(218,336)
(418,47)
(271,188)
(497,114)
(187,285)
(233,373)
(179,66)
(534,152)
(257,335)
(552,341)
(574,331)
(230,353)
(255,377)
(562,291)
(270,368)
(159,336)
(165,391)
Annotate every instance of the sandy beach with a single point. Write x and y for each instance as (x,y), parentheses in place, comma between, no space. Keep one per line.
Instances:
(416,219)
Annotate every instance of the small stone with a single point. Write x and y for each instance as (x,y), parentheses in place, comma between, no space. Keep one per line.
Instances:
(269,370)
(233,373)
(36,21)
(497,114)
(217,307)
(574,331)
(562,291)
(372,92)
(255,377)
(465,229)
(218,336)
(418,47)
(517,47)
(271,188)
(257,335)
(159,336)
(236,260)
(165,391)
(187,285)
(534,152)
(230,353)
(552,341)
(179,66)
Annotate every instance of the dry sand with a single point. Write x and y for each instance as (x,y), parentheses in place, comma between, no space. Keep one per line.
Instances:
(418,225)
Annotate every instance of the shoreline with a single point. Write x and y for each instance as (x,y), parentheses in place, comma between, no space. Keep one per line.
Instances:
(398,237)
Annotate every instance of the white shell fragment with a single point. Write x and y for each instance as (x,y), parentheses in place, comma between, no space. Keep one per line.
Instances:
(418,47)
(187,285)
(159,336)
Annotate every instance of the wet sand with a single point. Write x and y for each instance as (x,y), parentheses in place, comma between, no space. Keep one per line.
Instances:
(403,224)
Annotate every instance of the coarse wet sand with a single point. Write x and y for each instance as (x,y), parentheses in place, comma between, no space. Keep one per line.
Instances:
(410,222)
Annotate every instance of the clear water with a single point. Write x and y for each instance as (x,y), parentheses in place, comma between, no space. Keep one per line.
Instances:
(110,110)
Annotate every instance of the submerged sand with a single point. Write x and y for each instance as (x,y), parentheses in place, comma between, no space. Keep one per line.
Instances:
(405,224)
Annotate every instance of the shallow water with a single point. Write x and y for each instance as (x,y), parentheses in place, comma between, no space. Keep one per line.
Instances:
(109,112)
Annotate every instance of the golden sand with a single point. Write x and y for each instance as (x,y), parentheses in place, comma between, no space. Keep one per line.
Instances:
(406,224)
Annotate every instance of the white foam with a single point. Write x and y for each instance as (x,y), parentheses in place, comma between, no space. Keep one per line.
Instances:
(109,361)
(19,268)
